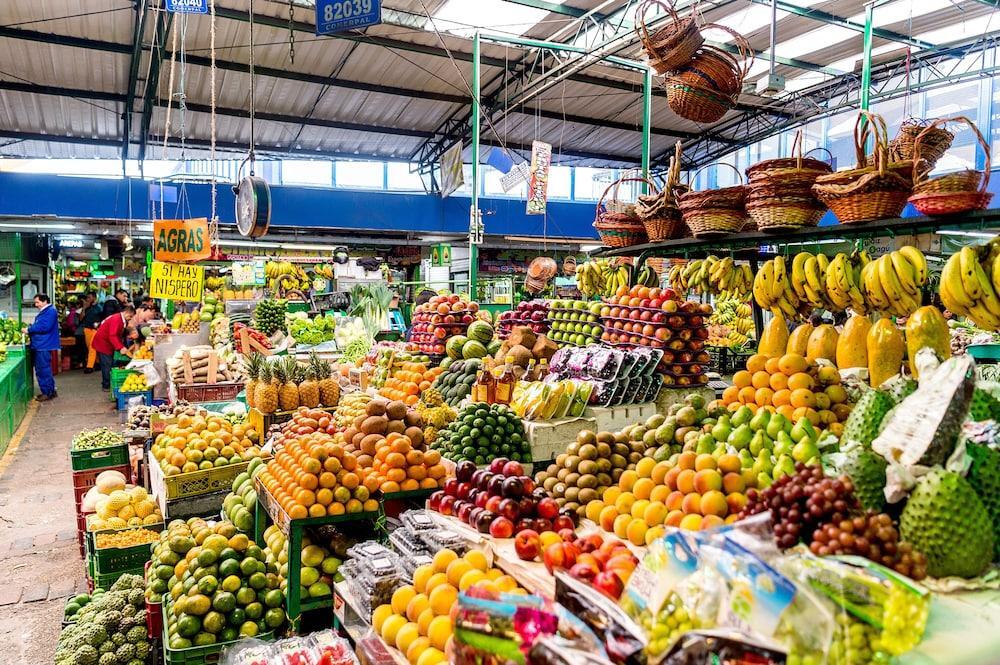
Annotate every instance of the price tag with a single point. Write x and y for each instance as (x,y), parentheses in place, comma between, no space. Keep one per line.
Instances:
(338,15)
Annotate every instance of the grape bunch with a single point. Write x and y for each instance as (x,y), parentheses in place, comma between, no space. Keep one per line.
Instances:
(802,502)
(874,537)
(855,643)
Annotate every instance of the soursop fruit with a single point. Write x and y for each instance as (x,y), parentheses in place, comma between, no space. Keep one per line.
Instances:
(984,406)
(984,476)
(898,388)
(945,520)
(866,418)
(866,469)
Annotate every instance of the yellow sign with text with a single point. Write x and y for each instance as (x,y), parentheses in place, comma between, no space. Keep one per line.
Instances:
(176,281)
(181,240)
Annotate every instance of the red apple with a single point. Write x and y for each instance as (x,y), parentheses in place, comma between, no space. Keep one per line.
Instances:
(493,504)
(568,535)
(548,508)
(512,469)
(447,506)
(434,501)
(451,487)
(609,584)
(501,527)
(527,545)
(526,507)
(590,543)
(510,509)
(563,522)
(582,571)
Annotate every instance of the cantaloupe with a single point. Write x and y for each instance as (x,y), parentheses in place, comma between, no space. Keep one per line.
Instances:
(109,481)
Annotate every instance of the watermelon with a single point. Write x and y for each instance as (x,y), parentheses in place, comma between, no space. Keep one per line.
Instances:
(454,346)
(480,331)
(473,349)
(445,364)
(493,347)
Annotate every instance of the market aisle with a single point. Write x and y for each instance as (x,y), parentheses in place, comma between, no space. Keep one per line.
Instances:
(40,562)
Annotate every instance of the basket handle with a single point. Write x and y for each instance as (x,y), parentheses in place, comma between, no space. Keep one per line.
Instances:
(640,17)
(616,184)
(830,160)
(747,55)
(674,171)
(919,175)
(736,170)
(861,130)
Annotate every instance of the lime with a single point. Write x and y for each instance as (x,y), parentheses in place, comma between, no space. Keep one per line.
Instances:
(274,598)
(254,552)
(205,571)
(208,585)
(228,634)
(203,639)
(164,572)
(213,622)
(179,643)
(228,553)
(249,629)
(274,617)
(207,557)
(248,567)
(224,602)
(254,610)
(158,586)
(257,581)
(197,604)
(237,616)
(245,596)
(229,567)
(187,625)
(232,583)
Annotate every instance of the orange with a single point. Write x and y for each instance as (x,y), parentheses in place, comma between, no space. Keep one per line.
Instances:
(442,559)
(778,381)
(763,396)
(808,413)
(730,394)
(786,410)
(836,393)
(761,379)
(441,598)
(747,395)
(741,379)
(800,380)
(771,366)
(756,362)
(792,363)
(401,598)
(317,510)
(803,398)
(781,397)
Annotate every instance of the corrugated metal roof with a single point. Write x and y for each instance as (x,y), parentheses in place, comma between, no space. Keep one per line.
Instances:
(402,62)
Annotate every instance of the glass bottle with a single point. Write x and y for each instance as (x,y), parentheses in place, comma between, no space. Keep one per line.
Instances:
(543,370)
(505,384)
(531,372)
(484,390)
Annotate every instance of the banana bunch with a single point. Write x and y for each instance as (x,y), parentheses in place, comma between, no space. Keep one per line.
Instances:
(647,277)
(773,290)
(600,278)
(720,277)
(892,282)
(843,282)
(970,282)
(214,283)
(274,269)
(324,270)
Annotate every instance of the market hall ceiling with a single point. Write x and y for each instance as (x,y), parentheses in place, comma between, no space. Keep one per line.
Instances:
(101,78)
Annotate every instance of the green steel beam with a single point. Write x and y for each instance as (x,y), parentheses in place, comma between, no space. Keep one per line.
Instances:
(141,12)
(647,118)
(556,8)
(866,60)
(165,21)
(788,62)
(832,19)
(474,208)
(65,40)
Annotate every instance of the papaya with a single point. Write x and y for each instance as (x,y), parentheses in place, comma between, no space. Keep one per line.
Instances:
(798,341)
(926,327)
(822,343)
(885,352)
(774,339)
(852,346)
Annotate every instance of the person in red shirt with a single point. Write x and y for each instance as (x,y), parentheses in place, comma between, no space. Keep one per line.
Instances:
(110,337)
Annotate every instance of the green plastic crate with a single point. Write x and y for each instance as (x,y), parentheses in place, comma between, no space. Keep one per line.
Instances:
(106,580)
(99,458)
(116,559)
(118,376)
(203,655)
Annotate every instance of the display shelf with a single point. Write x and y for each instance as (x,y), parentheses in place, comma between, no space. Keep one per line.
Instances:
(750,242)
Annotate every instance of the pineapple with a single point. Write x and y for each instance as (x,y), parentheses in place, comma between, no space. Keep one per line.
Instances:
(252,366)
(266,390)
(329,387)
(308,387)
(288,393)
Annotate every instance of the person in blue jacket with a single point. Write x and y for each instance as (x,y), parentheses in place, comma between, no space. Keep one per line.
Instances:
(44,334)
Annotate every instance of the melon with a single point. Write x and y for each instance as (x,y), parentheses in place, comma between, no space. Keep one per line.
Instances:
(454,346)
(480,331)
(446,362)
(473,349)
(493,347)
(109,481)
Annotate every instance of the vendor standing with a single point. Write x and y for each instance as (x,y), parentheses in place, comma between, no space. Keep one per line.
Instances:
(92,318)
(110,337)
(44,335)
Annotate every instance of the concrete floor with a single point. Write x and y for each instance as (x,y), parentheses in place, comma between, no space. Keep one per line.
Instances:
(40,562)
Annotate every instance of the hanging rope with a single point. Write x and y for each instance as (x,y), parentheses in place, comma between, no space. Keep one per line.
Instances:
(253,141)
(213,221)
(170,101)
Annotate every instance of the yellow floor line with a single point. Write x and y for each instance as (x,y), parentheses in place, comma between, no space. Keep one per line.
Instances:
(15,440)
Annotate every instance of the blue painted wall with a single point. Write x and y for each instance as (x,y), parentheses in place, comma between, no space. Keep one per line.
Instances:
(107,198)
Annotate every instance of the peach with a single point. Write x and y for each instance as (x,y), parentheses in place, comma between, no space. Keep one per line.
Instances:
(707,480)
(670,480)
(729,463)
(692,503)
(733,482)
(730,518)
(674,500)
(674,518)
(686,460)
(713,502)
(621,525)
(685,481)
(659,493)
(655,513)
(704,461)
(691,522)
(711,522)
(736,502)
(607,518)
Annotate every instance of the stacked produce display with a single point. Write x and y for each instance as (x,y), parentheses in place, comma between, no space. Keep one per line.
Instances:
(440,319)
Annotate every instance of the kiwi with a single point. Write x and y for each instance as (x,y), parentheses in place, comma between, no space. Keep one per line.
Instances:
(552,468)
(573,449)
(571,505)
(571,479)
(572,493)
(549,483)
(413,419)
(587,467)
(618,462)
(634,457)
(603,449)
(586,437)
(561,459)
(396,410)
(603,465)
(561,501)
(395,427)
(562,473)
(606,438)
(621,449)
(637,446)
(604,479)
(587,480)
(621,437)
(587,494)
(588,452)
(541,477)
(572,462)
(377,407)
(616,474)
(559,489)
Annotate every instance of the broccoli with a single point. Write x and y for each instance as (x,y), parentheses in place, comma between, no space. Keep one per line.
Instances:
(136,634)
(85,655)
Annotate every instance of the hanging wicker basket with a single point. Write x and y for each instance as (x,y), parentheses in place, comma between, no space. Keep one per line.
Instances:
(933,146)
(673,45)
(779,191)
(710,83)
(617,221)
(658,210)
(715,212)
(952,193)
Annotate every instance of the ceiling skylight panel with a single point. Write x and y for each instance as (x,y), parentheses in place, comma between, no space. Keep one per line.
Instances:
(814,40)
(463,17)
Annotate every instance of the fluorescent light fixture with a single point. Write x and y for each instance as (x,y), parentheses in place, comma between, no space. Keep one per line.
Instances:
(555,239)
(967,234)
(250,243)
(589,248)
(40,228)
(313,248)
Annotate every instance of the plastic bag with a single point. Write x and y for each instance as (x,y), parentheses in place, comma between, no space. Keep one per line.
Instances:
(623,638)
(247,652)
(716,646)
(500,630)
(330,649)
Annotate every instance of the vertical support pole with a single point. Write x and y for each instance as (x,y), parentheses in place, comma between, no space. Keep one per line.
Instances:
(294,586)
(866,59)
(474,211)
(647,114)
(18,257)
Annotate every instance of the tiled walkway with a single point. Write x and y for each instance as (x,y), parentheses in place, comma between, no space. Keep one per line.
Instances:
(40,562)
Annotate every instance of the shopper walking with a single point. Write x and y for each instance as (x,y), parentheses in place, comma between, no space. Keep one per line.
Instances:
(92,318)
(110,338)
(44,336)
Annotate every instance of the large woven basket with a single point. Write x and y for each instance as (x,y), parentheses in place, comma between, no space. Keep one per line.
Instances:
(673,45)
(868,192)
(934,144)
(715,212)
(952,193)
(780,194)
(658,210)
(709,85)
(616,228)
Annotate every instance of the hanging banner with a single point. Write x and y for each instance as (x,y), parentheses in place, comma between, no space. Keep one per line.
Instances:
(339,15)
(187,6)
(452,171)
(500,160)
(515,177)
(176,281)
(181,240)
(538,185)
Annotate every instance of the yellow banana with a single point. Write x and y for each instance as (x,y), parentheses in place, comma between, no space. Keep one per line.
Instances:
(778,285)
(982,317)
(989,299)
(890,282)
(968,261)
(906,273)
(917,260)
(873,287)
(952,280)
(762,285)
(951,302)
(798,273)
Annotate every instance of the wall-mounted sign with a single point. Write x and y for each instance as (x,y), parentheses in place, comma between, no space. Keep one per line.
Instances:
(248,273)
(176,281)
(187,6)
(338,15)
(538,185)
(441,254)
(181,240)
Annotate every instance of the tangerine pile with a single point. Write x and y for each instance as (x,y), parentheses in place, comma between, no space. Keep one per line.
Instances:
(409,381)
(313,476)
(398,466)
(792,386)
(203,441)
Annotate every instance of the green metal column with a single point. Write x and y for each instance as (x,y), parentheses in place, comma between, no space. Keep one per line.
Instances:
(647,113)
(866,60)
(18,257)
(474,211)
